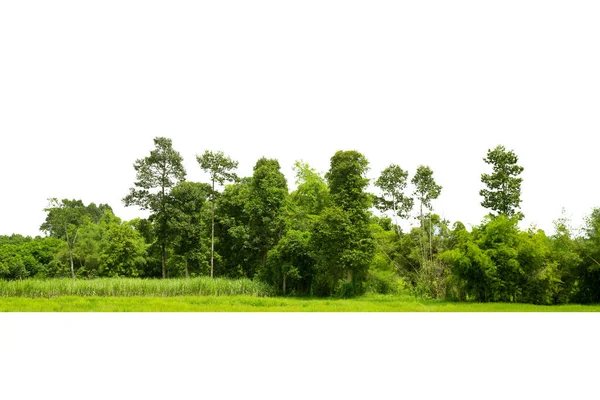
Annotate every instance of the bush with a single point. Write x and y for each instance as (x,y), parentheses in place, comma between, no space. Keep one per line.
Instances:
(384,282)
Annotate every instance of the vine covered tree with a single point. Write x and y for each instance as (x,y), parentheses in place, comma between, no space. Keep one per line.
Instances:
(341,237)
(220,168)
(155,176)
(503,193)
(268,194)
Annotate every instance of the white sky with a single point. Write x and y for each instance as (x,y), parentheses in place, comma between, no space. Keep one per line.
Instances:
(85,86)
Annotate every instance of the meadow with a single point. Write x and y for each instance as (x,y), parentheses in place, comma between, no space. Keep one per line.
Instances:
(219,295)
(127,287)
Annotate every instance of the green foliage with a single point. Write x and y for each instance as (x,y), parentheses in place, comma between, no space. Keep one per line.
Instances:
(503,193)
(347,182)
(233,232)
(268,196)
(392,183)
(497,262)
(65,218)
(220,168)
(290,266)
(384,282)
(122,251)
(426,189)
(21,257)
(311,196)
(155,176)
(341,237)
(188,226)
(587,273)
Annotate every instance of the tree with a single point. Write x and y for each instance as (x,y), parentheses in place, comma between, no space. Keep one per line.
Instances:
(63,221)
(219,167)
(122,250)
(426,190)
(312,193)
(268,195)
(347,182)
(187,225)
(503,193)
(289,263)
(341,237)
(392,183)
(232,229)
(155,176)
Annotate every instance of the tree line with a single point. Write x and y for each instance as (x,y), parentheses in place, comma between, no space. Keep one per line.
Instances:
(323,238)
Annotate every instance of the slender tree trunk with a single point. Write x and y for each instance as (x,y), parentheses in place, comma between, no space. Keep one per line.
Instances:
(71,259)
(430,239)
(284,282)
(163,246)
(396,218)
(423,256)
(187,271)
(164,261)
(212,236)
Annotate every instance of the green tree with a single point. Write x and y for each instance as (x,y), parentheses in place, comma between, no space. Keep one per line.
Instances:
(155,176)
(392,183)
(312,194)
(220,168)
(341,237)
(63,220)
(503,193)
(265,207)
(289,263)
(121,250)
(426,190)
(187,225)
(232,229)
(588,271)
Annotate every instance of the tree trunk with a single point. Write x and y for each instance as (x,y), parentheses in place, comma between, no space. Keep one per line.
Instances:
(187,271)
(164,261)
(430,235)
(284,283)
(349,275)
(423,256)
(71,259)
(212,236)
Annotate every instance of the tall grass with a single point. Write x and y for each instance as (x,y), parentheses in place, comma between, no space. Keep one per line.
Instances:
(126,287)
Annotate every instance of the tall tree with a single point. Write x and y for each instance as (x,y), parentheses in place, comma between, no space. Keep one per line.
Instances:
(268,195)
(155,176)
(220,168)
(341,237)
(503,193)
(64,220)
(187,205)
(392,183)
(426,190)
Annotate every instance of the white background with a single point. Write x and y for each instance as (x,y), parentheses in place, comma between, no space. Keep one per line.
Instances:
(85,86)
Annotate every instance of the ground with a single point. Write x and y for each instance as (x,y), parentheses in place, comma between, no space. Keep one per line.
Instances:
(368,303)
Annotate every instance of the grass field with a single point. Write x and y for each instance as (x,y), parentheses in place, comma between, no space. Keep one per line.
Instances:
(369,303)
(126,287)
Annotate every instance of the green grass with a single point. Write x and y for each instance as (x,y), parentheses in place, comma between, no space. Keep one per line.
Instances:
(127,287)
(243,303)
